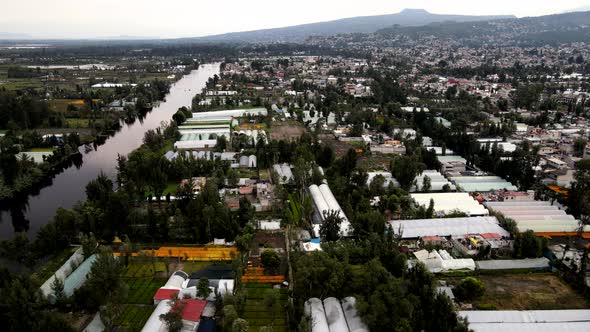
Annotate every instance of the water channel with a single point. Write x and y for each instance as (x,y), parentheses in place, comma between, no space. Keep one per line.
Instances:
(68,187)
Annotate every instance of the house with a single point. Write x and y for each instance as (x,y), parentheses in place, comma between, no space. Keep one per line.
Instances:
(171,288)
(246,190)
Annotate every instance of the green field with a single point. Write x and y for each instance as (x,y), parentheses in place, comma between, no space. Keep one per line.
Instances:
(144,269)
(42,150)
(143,278)
(48,269)
(133,317)
(142,290)
(256,312)
(77,123)
(171,189)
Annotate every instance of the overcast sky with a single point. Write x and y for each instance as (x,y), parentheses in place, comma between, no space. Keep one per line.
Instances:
(185,18)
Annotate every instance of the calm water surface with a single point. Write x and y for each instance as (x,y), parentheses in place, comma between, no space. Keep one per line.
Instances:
(68,187)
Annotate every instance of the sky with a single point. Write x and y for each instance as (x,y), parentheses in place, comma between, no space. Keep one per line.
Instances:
(191,18)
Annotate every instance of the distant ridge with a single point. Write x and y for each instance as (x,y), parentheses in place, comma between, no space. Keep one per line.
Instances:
(10,35)
(361,24)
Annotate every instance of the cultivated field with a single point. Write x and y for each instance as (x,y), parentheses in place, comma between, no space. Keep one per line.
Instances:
(286,131)
(538,291)
(258,314)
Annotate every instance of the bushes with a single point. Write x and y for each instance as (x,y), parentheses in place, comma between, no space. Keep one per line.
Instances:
(470,288)
(270,259)
(528,245)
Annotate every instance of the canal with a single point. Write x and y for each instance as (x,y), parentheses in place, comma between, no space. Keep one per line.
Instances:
(68,187)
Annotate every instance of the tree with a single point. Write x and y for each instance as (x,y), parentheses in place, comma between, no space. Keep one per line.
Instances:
(377,186)
(426,184)
(468,289)
(229,316)
(173,318)
(108,313)
(88,243)
(179,118)
(57,287)
(203,289)
(240,325)
(153,139)
(270,259)
(221,143)
(330,228)
(105,281)
(579,199)
(529,245)
(580,147)
(232,178)
(245,212)
(405,169)
(325,156)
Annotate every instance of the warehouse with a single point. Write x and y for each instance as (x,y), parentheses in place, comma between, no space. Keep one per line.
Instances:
(284,172)
(333,315)
(353,319)
(254,134)
(191,311)
(441,261)
(204,134)
(63,272)
(445,203)
(539,216)
(324,203)
(415,229)
(314,309)
(536,264)
(482,183)
(490,142)
(386,175)
(528,321)
(227,116)
(437,182)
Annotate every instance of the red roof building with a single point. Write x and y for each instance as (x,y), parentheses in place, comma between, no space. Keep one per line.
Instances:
(192,309)
(488,236)
(165,294)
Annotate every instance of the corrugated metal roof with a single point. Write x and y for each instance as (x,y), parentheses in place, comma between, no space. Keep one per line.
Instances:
(448,202)
(534,263)
(447,227)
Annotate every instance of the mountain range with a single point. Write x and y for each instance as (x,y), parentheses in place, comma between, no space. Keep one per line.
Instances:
(361,24)
(526,31)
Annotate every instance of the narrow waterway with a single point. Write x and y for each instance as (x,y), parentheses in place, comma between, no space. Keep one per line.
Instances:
(68,187)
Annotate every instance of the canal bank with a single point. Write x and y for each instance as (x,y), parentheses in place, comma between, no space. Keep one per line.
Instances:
(68,187)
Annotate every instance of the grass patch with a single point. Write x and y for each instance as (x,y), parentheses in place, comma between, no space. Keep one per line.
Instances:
(142,290)
(192,267)
(538,291)
(171,189)
(247,173)
(47,269)
(264,174)
(77,123)
(42,150)
(144,279)
(133,317)
(257,313)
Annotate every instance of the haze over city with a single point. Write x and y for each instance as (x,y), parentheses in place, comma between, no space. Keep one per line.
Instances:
(295,166)
(187,18)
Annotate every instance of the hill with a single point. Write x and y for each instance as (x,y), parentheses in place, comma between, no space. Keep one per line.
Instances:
(362,24)
(550,29)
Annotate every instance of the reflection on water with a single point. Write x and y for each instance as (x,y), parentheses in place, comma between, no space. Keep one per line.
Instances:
(68,186)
